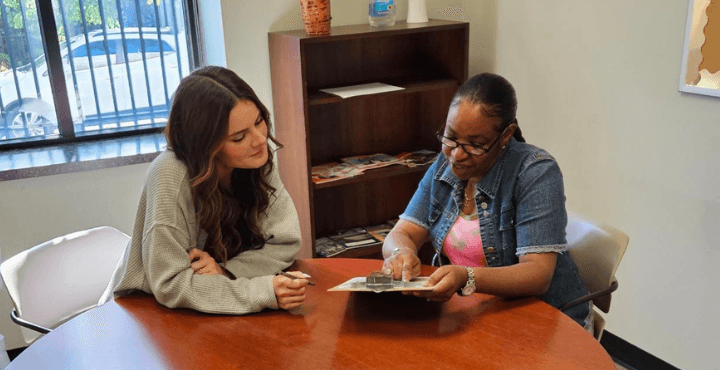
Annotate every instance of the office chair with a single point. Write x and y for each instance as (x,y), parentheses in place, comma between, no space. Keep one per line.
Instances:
(597,251)
(61,278)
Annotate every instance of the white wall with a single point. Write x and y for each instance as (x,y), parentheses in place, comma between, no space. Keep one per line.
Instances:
(597,86)
(211,30)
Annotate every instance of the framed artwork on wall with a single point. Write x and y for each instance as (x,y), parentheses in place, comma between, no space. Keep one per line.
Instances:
(700,71)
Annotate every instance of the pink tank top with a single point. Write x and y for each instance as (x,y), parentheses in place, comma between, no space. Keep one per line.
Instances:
(463,244)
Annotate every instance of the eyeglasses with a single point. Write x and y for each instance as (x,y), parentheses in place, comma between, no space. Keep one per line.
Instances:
(468,148)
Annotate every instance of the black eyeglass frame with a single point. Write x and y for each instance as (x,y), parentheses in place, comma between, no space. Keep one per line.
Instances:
(480,150)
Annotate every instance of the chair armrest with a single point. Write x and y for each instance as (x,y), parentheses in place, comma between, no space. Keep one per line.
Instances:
(16,319)
(590,297)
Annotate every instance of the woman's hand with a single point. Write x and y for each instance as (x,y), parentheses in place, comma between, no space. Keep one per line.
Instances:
(203,264)
(290,293)
(404,263)
(400,248)
(447,280)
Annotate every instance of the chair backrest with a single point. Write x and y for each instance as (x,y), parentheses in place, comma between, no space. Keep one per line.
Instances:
(597,251)
(56,280)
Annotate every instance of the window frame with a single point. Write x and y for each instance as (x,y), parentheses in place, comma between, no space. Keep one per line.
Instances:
(56,76)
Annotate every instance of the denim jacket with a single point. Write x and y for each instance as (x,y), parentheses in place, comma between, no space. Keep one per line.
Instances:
(521,210)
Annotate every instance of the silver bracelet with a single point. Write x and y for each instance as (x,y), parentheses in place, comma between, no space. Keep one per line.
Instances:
(397,250)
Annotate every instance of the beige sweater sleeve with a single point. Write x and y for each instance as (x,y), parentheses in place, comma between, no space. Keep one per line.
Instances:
(174,284)
(156,260)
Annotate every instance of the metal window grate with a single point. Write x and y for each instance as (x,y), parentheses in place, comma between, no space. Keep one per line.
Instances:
(121,60)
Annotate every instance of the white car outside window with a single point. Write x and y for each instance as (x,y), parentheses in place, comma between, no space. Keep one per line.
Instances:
(133,75)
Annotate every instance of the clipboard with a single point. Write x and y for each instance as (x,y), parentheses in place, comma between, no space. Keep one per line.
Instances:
(365,284)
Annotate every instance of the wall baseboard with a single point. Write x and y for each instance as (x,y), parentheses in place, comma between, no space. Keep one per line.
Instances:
(630,356)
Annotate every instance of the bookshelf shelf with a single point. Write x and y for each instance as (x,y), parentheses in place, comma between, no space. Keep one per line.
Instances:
(377,173)
(319,97)
(429,61)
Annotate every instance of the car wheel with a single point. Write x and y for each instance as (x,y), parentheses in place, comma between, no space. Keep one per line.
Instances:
(30,119)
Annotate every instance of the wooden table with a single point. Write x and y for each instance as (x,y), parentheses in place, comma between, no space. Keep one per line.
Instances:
(333,330)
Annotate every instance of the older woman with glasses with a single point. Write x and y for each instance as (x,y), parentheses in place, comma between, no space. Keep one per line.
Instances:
(493,207)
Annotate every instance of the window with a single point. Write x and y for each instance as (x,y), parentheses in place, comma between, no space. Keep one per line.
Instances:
(114,63)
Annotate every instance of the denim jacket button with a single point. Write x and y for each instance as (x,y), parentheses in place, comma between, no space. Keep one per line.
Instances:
(491,250)
(486,214)
(483,205)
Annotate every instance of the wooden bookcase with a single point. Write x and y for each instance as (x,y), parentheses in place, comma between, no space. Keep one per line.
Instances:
(430,60)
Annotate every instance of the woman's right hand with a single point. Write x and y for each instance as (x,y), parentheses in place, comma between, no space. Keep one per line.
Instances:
(403,263)
(400,247)
(290,293)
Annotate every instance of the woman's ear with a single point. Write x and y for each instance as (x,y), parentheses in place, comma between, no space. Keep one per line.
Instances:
(509,132)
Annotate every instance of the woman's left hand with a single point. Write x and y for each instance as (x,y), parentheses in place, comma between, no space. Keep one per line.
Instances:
(203,264)
(447,280)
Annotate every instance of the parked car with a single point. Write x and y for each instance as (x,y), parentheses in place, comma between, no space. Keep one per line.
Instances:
(91,97)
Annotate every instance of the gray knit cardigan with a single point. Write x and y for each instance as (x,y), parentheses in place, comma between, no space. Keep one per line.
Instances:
(156,258)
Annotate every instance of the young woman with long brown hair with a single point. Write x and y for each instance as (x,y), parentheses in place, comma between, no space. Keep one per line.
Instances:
(215,223)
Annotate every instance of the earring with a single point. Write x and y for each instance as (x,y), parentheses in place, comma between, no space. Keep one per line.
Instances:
(504,146)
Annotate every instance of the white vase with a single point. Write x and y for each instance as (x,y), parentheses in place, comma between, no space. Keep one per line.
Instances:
(417,11)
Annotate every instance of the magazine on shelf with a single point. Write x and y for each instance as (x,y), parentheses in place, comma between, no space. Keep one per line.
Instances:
(327,247)
(358,237)
(366,162)
(379,231)
(355,238)
(333,171)
(417,158)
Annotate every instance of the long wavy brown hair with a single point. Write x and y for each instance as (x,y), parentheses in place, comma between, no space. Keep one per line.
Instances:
(196,129)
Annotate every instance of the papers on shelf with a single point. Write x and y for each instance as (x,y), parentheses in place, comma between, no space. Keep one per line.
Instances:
(358,237)
(366,162)
(418,157)
(333,171)
(354,166)
(364,89)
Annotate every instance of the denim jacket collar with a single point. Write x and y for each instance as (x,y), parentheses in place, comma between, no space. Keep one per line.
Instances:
(488,185)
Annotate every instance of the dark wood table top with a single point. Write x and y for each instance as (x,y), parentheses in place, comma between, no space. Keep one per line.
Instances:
(333,330)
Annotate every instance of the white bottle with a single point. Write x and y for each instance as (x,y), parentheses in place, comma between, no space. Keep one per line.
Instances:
(417,11)
(381,13)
